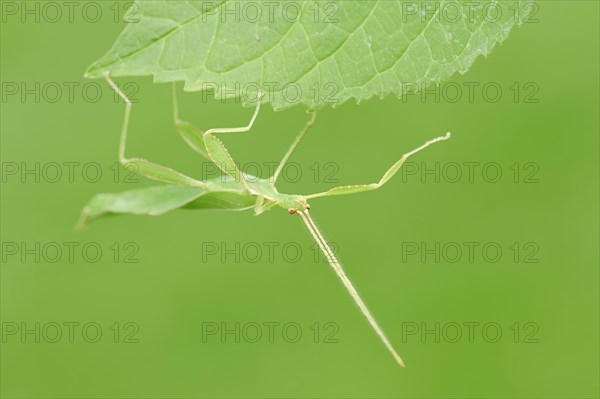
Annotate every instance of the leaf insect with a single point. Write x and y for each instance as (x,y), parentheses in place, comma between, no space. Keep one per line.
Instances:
(234,191)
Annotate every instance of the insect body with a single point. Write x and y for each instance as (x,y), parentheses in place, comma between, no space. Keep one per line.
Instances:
(234,191)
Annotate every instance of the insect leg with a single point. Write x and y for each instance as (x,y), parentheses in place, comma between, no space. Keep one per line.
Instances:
(218,152)
(258,206)
(359,188)
(188,132)
(299,138)
(143,167)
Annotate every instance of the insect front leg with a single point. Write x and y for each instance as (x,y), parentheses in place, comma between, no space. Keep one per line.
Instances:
(218,152)
(146,168)
(359,188)
(297,141)
(192,135)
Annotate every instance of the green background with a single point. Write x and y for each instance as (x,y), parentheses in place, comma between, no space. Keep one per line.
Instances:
(174,288)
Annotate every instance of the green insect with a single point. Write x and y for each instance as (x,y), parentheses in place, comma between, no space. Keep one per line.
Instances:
(234,191)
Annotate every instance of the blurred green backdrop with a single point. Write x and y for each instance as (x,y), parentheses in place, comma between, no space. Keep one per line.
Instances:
(543,126)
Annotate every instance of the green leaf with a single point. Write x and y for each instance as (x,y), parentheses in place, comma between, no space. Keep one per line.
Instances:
(161,199)
(309,52)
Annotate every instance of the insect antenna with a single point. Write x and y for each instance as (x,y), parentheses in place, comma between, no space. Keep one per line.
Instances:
(337,267)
